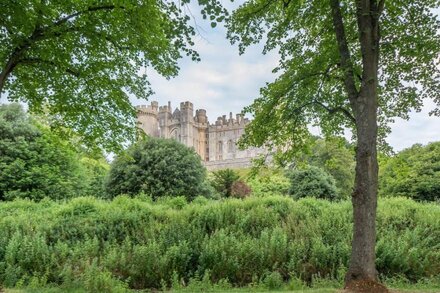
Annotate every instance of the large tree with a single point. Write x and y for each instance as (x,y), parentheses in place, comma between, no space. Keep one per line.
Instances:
(344,64)
(78,60)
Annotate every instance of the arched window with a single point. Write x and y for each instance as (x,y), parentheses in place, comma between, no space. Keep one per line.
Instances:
(175,134)
(220,147)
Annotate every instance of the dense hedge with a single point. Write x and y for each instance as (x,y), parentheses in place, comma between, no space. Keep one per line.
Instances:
(140,244)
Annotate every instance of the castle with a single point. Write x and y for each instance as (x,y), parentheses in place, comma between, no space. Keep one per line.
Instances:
(215,143)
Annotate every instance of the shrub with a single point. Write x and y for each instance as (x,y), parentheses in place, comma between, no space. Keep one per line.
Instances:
(240,189)
(107,246)
(269,182)
(223,180)
(157,167)
(35,163)
(313,182)
(413,172)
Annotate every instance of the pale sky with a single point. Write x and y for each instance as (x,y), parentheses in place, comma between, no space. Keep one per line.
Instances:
(225,82)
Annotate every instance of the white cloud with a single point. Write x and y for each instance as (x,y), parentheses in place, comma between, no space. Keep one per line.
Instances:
(225,82)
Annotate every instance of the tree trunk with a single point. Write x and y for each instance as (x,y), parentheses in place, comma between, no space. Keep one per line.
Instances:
(365,105)
(362,263)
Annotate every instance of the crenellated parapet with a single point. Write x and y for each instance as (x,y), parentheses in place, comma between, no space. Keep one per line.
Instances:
(151,109)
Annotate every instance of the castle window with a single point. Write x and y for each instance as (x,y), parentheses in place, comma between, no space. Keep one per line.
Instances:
(230,146)
(220,146)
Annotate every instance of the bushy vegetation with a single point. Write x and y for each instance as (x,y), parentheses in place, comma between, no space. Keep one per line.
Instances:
(413,172)
(313,182)
(335,156)
(229,183)
(138,244)
(157,167)
(35,163)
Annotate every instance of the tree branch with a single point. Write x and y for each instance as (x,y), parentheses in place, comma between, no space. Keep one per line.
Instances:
(344,52)
(337,109)
(31,61)
(330,110)
(89,9)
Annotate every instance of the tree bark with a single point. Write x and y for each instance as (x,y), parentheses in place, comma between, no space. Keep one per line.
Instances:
(364,199)
(362,262)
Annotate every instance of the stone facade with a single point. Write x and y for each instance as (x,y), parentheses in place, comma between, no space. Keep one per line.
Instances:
(215,143)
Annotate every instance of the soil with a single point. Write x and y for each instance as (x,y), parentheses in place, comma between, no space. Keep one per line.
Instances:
(365,286)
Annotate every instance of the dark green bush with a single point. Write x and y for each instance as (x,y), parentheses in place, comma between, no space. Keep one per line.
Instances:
(133,242)
(157,167)
(313,182)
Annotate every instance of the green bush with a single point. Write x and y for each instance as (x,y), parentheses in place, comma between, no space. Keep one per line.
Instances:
(413,172)
(157,167)
(35,163)
(269,182)
(132,242)
(313,182)
(336,157)
(223,180)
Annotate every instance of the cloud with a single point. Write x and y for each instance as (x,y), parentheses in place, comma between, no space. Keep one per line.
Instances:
(225,82)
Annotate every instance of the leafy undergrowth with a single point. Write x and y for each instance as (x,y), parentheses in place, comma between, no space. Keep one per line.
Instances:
(268,243)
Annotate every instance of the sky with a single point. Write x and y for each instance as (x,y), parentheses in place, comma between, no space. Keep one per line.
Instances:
(226,82)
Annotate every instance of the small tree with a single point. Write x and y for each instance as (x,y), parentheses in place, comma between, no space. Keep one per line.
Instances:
(312,182)
(223,181)
(157,167)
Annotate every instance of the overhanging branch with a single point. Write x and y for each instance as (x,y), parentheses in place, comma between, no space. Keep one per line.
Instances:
(25,61)
(344,52)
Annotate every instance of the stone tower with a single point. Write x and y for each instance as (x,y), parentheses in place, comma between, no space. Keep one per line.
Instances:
(186,121)
(147,118)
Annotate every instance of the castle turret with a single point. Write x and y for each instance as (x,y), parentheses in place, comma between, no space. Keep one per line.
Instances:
(147,118)
(164,120)
(201,116)
(186,122)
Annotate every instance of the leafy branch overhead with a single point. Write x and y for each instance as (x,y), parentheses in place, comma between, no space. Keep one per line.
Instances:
(79,61)
(311,84)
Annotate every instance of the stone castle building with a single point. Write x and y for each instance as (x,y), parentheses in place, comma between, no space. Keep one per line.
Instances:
(215,143)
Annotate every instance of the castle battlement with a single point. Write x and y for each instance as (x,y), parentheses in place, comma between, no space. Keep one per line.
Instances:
(214,142)
(148,109)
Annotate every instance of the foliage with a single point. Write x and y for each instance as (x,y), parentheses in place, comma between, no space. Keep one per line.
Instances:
(79,60)
(223,180)
(34,163)
(269,182)
(336,157)
(94,171)
(312,182)
(240,189)
(98,244)
(413,172)
(310,87)
(158,167)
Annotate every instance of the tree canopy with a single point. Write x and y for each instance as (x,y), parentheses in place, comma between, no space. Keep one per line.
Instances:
(310,88)
(80,60)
